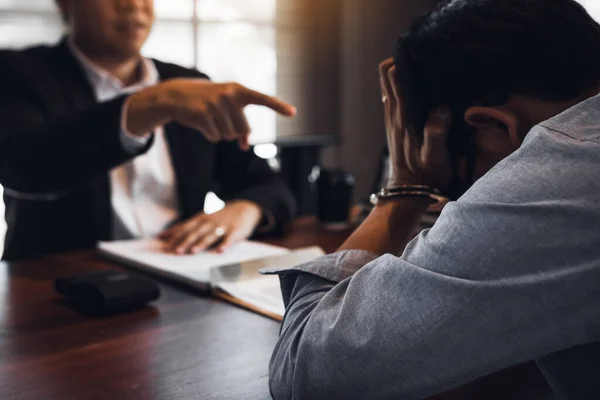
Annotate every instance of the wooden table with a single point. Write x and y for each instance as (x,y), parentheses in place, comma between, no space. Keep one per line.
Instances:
(185,347)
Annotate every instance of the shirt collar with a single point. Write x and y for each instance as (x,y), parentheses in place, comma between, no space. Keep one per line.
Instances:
(101,79)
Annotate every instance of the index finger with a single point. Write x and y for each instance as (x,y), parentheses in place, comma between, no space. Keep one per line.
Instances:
(394,86)
(435,143)
(383,75)
(249,96)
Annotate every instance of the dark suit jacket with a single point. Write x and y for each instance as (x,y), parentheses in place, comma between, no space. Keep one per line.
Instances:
(57,145)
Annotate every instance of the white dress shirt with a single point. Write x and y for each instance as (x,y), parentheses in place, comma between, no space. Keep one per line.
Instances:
(143,191)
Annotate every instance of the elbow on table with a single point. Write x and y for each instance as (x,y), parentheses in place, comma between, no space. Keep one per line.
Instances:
(293,377)
(281,374)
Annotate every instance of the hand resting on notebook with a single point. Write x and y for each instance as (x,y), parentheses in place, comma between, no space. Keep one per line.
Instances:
(234,223)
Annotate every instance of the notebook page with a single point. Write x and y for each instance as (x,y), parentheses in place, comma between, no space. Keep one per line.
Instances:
(147,254)
(260,292)
(263,293)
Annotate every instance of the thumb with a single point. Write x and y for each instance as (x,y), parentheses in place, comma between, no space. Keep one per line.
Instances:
(244,142)
(227,243)
(437,129)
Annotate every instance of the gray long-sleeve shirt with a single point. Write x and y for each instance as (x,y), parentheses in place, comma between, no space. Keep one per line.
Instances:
(509,273)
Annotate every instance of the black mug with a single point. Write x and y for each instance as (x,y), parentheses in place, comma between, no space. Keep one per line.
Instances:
(334,190)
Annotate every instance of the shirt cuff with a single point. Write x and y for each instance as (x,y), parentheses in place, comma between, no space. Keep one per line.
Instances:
(334,267)
(131,143)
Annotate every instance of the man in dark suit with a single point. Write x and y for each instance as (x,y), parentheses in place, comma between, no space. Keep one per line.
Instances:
(98,143)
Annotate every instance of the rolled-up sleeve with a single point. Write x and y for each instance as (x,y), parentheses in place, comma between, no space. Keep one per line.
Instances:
(331,268)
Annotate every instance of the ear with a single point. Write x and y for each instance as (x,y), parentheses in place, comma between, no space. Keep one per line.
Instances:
(491,117)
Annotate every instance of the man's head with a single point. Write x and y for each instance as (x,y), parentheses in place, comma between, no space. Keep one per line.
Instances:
(109,28)
(502,66)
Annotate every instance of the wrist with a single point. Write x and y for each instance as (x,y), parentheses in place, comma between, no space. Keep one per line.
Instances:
(250,207)
(389,226)
(400,182)
(439,181)
(147,110)
(418,204)
(429,194)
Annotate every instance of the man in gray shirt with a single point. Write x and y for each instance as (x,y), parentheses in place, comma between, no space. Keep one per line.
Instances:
(511,271)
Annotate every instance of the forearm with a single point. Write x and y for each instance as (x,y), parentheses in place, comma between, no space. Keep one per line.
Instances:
(389,227)
(56,156)
(59,155)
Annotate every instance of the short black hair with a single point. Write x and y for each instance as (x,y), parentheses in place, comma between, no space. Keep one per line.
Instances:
(480,52)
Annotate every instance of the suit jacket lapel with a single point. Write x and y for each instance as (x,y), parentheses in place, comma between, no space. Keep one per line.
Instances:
(81,96)
(72,76)
(191,163)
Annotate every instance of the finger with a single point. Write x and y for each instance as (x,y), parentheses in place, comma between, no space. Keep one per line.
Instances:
(167,233)
(247,96)
(208,128)
(223,120)
(219,118)
(170,244)
(178,235)
(435,144)
(206,241)
(186,245)
(411,153)
(395,100)
(383,76)
(238,118)
(226,130)
(386,95)
(240,124)
(227,242)
(244,142)
(203,122)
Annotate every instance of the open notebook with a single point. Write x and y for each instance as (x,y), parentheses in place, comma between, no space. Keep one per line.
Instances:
(232,276)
